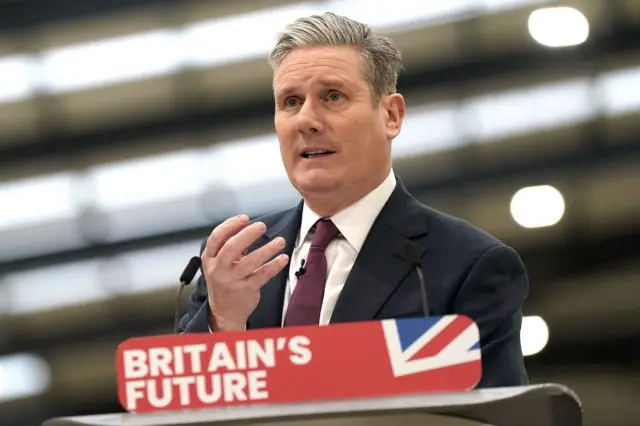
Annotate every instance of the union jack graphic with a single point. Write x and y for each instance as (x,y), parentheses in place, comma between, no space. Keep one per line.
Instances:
(417,345)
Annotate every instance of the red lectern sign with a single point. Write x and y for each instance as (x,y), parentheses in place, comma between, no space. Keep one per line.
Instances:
(293,364)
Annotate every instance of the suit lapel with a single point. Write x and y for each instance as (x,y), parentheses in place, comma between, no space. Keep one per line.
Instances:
(381,265)
(268,313)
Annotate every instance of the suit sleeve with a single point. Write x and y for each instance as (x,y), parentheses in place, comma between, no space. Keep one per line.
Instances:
(492,294)
(196,320)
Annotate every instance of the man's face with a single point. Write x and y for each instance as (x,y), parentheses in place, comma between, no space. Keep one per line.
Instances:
(324,105)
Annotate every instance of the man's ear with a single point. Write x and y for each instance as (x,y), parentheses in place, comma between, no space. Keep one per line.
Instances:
(395,110)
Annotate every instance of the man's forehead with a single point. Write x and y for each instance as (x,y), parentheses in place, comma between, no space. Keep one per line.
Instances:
(316,71)
(292,83)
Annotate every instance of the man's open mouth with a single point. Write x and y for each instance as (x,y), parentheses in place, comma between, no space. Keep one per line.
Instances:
(314,154)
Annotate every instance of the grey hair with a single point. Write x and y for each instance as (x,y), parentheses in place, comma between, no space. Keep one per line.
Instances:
(381,60)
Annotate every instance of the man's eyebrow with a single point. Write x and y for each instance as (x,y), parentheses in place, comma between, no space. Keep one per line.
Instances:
(284,90)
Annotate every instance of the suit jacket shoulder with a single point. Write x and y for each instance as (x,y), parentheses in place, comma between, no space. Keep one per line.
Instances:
(457,232)
(456,243)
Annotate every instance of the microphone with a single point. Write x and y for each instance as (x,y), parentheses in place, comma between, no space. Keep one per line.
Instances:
(186,277)
(411,253)
(300,272)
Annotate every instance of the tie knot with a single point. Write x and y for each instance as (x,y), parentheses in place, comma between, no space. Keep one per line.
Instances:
(326,231)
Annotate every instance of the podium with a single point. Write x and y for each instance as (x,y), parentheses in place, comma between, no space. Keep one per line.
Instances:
(534,405)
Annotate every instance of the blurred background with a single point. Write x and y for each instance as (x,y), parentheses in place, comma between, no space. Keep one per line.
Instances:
(130,128)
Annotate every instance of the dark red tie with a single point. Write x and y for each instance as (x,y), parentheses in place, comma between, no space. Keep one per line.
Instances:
(306,300)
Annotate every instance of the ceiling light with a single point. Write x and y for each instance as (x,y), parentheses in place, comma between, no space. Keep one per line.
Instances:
(537,206)
(23,375)
(558,26)
(534,335)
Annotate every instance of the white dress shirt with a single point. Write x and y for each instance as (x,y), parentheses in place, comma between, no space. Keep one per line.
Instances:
(354,224)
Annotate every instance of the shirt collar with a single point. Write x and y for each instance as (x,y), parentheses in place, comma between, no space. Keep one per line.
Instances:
(355,221)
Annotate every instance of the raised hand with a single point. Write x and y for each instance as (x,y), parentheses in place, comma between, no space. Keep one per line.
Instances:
(234,277)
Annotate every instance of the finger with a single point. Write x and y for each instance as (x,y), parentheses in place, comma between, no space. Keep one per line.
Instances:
(221,234)
(238,243)
(258,257)
(263,274)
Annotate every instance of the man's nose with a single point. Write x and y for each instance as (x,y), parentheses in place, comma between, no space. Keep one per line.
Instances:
(308,119)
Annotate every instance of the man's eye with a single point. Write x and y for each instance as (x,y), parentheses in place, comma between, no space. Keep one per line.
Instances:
(335,96)
(291,102)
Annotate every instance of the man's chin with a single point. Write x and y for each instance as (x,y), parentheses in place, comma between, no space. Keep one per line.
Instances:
(316,181)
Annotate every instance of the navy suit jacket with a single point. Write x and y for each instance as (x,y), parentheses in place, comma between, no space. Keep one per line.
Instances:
(466,270)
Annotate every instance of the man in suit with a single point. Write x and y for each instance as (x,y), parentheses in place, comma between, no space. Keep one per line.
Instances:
(336,114)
